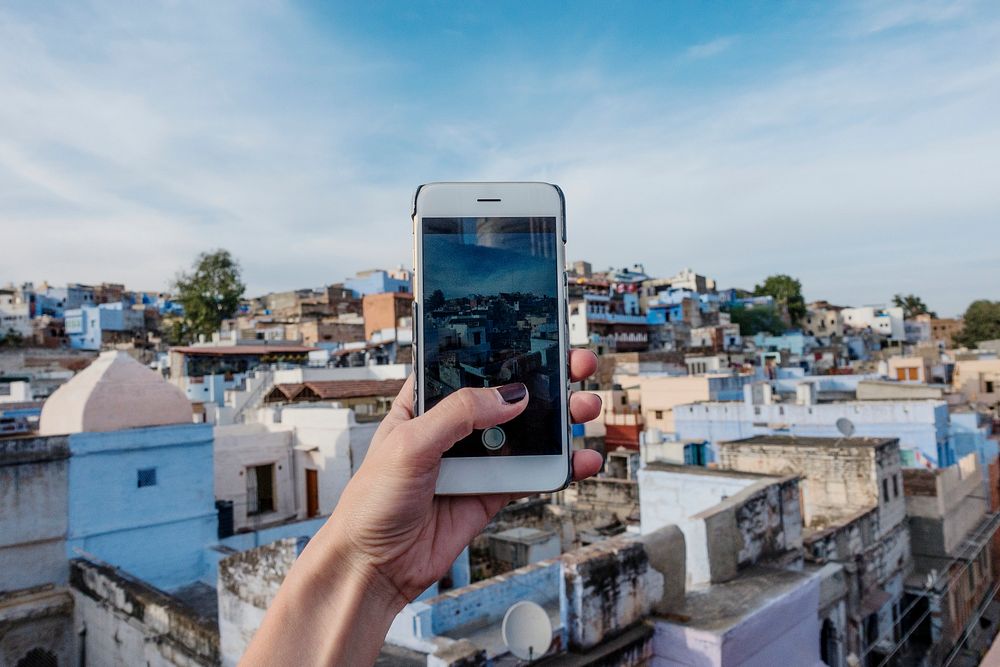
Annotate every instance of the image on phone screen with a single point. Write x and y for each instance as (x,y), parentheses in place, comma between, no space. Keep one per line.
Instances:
(491,317)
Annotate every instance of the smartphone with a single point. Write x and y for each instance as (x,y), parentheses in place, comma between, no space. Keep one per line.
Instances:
(490,309)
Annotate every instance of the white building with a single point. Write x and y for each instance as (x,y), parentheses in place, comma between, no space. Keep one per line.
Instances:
(15,313)
(920,425)
(886,321)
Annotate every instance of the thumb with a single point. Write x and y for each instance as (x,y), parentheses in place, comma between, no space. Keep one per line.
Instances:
(459,413)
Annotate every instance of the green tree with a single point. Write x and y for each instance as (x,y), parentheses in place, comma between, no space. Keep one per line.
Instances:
(787,291)
(912,305)
(753,321)
(982,322)
(435,300)
(210,293)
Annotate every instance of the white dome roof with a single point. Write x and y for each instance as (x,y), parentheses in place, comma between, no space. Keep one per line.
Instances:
(115,392)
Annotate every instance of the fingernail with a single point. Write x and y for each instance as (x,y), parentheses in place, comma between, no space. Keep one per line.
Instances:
(512,393)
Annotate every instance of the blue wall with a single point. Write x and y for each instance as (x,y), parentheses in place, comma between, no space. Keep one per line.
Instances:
(157,533)
(376,283)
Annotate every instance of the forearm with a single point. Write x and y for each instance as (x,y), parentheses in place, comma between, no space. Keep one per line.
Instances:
(331,610)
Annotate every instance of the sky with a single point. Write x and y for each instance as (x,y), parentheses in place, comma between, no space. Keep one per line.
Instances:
(855,146)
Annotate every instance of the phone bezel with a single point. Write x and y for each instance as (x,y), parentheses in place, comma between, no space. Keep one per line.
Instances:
(509,474)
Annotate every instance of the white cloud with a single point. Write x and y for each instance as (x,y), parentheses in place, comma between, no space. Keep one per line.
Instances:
(125,151)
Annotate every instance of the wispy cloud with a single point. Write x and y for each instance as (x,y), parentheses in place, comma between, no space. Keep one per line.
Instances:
(132,138)
(710,48)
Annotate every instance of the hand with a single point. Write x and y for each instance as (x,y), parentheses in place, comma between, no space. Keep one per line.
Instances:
(390,537)
(389,511)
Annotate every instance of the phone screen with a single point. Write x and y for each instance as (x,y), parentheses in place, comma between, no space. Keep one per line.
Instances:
(491,317)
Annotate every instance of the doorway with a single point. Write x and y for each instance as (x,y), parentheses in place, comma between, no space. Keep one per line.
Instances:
(312,493)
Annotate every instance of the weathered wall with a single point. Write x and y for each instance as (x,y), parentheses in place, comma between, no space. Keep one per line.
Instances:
(841,478)
(606,588)
(728,521)
(248,582)
(943,505)
(615,496)
(121,614)
(33,511)
(37,621)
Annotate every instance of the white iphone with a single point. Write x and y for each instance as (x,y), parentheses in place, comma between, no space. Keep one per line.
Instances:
(489,310)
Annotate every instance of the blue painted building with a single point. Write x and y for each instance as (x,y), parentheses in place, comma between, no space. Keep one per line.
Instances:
(86,327)
(376,282)
(140,478)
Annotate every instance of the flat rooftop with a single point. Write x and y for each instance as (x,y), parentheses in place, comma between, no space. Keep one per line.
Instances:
(809,441)
(718,607)
(679,468)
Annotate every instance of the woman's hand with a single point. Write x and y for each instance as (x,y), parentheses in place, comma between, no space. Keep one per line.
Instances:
(390,537)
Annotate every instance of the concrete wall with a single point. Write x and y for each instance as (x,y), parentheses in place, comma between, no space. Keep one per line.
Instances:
(37,622)
(605,588)
(782,629)
(157,533)
(120,616)
(340,444)
(944,505)
(841,478)
(729,521)
(248,582)
(33,511)
(919,424)
(239,446)
(615,496)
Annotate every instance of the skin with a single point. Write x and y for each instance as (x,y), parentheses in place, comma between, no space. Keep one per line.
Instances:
(390,537)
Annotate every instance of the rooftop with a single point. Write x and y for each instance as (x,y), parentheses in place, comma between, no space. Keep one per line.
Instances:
(719,607)
(679,468)
(113,393)
(804,441)
(332,390)
(235,350)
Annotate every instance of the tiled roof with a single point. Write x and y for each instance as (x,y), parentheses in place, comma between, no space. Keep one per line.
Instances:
(333,390)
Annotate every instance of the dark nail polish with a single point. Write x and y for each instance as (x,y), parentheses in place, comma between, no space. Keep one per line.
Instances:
(512,393)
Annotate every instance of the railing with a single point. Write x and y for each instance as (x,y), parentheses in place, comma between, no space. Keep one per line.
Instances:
(261,381)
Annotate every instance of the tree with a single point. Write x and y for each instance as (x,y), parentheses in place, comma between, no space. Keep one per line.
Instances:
(753,321)
(787,291)
(982,322)
(912,306)
(209,294)
(435,300)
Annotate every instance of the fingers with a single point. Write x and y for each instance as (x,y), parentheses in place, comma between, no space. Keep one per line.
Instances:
(582,364)
(586,463)
(455,417)
(584,406)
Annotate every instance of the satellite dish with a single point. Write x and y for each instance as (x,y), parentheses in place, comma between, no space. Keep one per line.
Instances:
(526,630)
(845,426)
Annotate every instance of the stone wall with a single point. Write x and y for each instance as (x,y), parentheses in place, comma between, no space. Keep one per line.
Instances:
(248,582)
(619,497)
(37,623)
(33,511)
(121,616)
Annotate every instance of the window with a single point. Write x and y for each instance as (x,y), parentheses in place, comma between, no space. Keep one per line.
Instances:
(885,488)
(624,399)
(895,486)
(260,489)
(477,338)
(913,373)
(659,414)
(145,477)
(989,386)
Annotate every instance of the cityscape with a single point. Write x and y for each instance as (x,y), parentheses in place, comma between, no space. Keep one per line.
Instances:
(827,472)
(779,241)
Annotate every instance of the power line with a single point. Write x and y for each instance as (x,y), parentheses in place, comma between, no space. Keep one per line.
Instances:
(948,584)
(968,630)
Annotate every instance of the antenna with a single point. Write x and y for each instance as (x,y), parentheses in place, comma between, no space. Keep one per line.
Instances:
(526,630)
(845,426)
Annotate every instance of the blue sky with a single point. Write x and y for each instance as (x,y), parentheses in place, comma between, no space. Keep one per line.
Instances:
(853,145)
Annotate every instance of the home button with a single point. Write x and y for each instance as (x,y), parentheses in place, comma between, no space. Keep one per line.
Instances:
(494,437)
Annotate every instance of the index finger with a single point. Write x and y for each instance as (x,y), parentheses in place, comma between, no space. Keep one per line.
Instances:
(582,364)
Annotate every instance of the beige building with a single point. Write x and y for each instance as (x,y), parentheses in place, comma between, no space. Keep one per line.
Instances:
(978,380)
(658,396)
(944,330)
(909,369)
(823,320)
